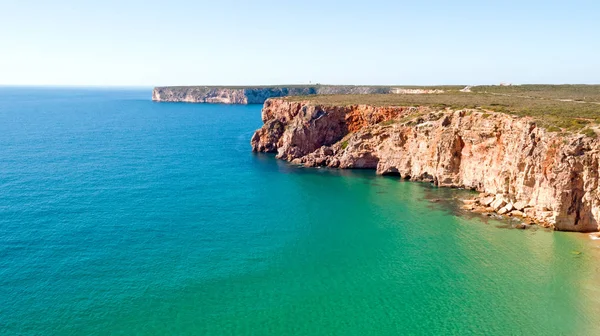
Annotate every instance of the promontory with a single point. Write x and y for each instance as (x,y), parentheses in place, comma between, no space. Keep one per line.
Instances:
(532,152)
(259,94)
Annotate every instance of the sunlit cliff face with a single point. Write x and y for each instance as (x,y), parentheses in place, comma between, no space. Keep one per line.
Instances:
(555,176)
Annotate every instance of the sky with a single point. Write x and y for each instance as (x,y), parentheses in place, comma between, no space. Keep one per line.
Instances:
(262,42)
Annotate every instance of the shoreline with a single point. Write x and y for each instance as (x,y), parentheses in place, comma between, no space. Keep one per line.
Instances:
(471,207)
(489,204)
(521,169)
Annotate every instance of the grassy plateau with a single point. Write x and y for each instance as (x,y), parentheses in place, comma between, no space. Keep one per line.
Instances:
(556,107)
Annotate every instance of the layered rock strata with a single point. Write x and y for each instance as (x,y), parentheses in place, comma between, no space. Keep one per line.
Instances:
(254,95)
(523,169)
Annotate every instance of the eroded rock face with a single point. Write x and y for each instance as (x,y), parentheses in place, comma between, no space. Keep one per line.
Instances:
(253,95)
(199,95)
(550,178)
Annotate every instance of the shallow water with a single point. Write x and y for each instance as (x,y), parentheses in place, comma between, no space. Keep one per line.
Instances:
(123,216)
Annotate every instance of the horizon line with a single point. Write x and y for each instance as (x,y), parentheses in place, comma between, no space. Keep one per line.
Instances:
(116,86)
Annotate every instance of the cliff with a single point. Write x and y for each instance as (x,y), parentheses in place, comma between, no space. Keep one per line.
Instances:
(253,95)
(548,177)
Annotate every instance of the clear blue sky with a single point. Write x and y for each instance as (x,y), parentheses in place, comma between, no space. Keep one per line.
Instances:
(185,42)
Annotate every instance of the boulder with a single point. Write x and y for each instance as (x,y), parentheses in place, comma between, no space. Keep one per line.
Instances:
(520,205)
(502,211)
(487,200)
(498,203)
(518,213)
(480,209)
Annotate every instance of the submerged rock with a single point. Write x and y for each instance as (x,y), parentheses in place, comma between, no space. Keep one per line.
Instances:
(521,226)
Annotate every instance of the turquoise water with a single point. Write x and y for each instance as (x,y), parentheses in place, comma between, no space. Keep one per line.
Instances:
(127,217)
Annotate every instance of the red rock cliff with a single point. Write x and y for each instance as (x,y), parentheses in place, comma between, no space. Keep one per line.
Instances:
(551,178)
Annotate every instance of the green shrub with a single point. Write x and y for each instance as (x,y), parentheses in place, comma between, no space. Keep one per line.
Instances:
(554,129)
(544,103)
(588,132)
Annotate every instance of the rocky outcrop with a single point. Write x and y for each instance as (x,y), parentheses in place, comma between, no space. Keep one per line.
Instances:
(551,179)
(255,95)
(199,95)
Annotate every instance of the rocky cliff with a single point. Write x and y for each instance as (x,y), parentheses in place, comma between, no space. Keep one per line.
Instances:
(525,170)
(253,95)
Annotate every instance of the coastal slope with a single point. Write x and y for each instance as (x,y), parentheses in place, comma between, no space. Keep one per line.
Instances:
(550,177)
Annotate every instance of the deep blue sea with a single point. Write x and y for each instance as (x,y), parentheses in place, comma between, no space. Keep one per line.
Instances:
(123,216)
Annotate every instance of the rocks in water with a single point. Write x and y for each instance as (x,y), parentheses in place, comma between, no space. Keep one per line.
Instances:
(518,213)
(468,207)
(521,226)
(497,206)
(469,204)
(502,211)
(480,209)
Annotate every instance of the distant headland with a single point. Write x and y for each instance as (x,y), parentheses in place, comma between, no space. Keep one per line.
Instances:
(259,94)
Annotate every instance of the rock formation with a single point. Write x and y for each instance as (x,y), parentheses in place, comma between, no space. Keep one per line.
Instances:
(521,169)
(258,95)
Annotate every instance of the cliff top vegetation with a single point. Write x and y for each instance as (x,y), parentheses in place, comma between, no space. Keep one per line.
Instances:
(302,86)
(556,107)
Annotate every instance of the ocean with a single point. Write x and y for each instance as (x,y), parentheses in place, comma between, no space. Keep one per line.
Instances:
(123,216)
